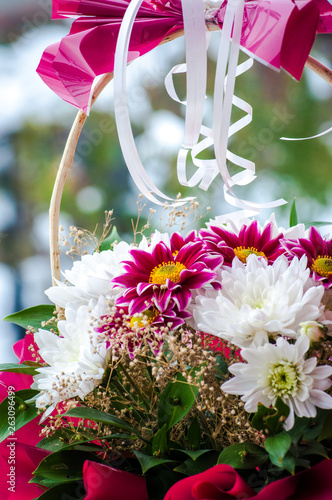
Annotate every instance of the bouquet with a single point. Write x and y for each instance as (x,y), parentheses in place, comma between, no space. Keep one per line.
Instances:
(177,367)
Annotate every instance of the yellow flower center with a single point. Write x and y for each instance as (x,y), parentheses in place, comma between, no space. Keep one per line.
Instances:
(243,252)
(166,270)
(142,319)
(323,265)
(283,379)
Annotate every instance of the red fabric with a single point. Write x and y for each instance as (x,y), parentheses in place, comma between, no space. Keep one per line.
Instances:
(14,483)
(19,381)
(222,482)
(106,483)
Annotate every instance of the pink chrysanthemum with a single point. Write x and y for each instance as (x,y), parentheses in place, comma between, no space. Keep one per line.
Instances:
(319,254)
(164,278)
(251,239)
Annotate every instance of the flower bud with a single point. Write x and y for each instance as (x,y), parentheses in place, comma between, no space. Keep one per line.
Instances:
(313,330)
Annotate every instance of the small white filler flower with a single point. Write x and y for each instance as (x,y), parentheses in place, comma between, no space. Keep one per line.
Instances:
(281,370)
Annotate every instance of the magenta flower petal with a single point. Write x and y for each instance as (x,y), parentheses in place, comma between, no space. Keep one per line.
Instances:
(181,298)
(250,235)
(251,239)
(266,235)
(140,303)
(318,252)
(195,280)
(162,253)
(143,261)
(316,240)
(142,287)
(177,240)
(168,276)
(161,299)
(309,247)
(129,279)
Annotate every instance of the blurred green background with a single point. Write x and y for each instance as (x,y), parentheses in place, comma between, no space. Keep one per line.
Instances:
(34,125)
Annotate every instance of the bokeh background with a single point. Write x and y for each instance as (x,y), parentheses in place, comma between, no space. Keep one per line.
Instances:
(34,124)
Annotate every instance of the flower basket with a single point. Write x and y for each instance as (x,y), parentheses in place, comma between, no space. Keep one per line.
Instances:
(183,365)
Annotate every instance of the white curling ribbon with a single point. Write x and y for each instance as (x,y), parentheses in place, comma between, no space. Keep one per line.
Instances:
(195,36)
(306,138)
(196,61)
(169,83)
(121,111)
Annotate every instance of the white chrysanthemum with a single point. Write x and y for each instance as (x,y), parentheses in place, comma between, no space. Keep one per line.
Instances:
(90,277)
(258,301)
(77,359)
(156,237)
(281,370)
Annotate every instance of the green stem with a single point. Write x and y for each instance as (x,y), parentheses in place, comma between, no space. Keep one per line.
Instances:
(138,391)
(122,390)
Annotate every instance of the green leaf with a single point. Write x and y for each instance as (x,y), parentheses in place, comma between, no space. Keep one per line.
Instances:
(317,224)
(98,416)
(64,465)
(18,368)
(73,490)
(314,448)
(293,220)
(199,464)
(222,365)
(194,455)
(288,462)
(278,446)
(23,412)
(300,425)
(160,481)
(148,462)
(60,440)
(44,481)
(32,317)
(243,456)
(194,434)
(176,401)
(326,432)
(278,449)
(270,420)
(108,242)
(160,442)
(316,425)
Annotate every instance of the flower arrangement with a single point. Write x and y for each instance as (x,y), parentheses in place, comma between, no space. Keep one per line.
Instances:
(193,366)
(182,365)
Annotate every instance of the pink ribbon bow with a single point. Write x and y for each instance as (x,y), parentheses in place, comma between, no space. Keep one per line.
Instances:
(279,33)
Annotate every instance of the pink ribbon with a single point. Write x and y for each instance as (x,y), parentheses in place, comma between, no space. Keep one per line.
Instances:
(279,33)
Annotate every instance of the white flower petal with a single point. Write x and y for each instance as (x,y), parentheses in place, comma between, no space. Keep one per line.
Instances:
(281,370)
(260,300)
(321,399)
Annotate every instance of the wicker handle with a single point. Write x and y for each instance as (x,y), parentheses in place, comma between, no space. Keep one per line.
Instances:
(71,144)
